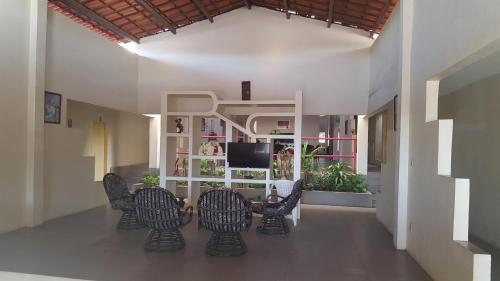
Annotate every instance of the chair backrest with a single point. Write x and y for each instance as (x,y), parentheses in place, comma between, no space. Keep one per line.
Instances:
(291,200)
(223,211)
(157,208)
(116,188)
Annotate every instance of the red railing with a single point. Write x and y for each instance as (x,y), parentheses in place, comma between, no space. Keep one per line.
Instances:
(352,156)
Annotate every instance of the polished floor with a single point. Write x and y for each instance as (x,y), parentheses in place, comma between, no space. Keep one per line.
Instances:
(334,244)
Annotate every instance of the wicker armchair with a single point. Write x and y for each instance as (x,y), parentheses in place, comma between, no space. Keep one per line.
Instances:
(273,214)
(121,199)
(159,210)
(226,213)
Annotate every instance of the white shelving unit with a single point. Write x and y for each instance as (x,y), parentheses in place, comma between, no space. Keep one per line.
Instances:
(192,107)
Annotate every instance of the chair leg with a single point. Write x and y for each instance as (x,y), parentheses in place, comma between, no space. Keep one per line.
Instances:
(226,245)
(164,241)
(129,220)
(273,225)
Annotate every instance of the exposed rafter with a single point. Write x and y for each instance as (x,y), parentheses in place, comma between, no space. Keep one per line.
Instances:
(330,13)
(248,3)
(286,8)
(124,20)
(380,17)
(159,18)
(82,10)
(202,9)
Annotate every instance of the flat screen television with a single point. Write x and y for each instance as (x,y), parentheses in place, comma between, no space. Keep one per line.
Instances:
(248,155)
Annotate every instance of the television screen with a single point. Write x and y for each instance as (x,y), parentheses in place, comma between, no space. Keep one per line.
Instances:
(248,155)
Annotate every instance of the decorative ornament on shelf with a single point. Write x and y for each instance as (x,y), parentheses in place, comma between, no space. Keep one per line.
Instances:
(184,167)
(284,160)
(176,171)
(180,171)
(211,148)
(178,125)
(275,132)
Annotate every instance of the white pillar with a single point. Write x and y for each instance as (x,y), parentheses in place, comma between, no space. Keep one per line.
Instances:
(154,141)
(362,139)
(297,141)
(403,142)
(35,109)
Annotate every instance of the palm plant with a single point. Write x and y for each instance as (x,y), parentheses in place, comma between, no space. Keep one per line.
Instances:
(308,161)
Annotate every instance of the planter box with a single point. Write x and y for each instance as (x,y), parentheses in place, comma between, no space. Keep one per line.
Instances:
(331,198)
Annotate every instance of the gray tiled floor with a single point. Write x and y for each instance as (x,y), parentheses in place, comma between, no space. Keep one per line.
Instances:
(334,244)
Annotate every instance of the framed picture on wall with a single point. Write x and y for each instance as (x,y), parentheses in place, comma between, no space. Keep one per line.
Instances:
(52,108)
(284,124)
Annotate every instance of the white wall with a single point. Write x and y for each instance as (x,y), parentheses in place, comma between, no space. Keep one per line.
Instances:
(14,40)
(83,66)
(386,197)
(68,176)
(385,64)
(132,139)
(127,133)
(279,56)
(444,33)
(476,142)
(385,83)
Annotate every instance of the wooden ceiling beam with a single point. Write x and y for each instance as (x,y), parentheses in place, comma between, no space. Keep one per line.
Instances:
(202,9)
(159,18)
(80,9)
(286,8)
(248,3)
(330,13)
(380,17)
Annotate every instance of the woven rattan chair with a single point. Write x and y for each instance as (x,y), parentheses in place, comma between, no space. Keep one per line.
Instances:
(226,213)
(121,199)
(159,210)
(273,214)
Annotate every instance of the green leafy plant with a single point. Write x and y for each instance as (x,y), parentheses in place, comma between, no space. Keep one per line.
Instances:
(151,180)
(338,178)
(206,168)
(308,161)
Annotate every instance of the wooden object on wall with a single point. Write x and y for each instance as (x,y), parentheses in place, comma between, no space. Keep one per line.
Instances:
(245,90)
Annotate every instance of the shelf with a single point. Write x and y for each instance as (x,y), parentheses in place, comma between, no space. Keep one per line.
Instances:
(177,178)
(208,179)
(249,169)
(207,157)
(257,102)
(249,181)
(189,114)
(182,135)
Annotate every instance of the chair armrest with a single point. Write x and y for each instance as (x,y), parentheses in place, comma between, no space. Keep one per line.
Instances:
(249,213)
(189,213)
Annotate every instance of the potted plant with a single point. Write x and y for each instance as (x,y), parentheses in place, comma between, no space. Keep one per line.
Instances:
(150,181)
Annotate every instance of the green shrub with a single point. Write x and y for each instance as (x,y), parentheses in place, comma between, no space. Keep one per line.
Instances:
(151,180)
(337,178)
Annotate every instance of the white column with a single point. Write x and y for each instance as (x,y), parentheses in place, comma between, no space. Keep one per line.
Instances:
(362,139)
(163,141)
(297,141)
(154,141)
(403,143)
(35,126)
